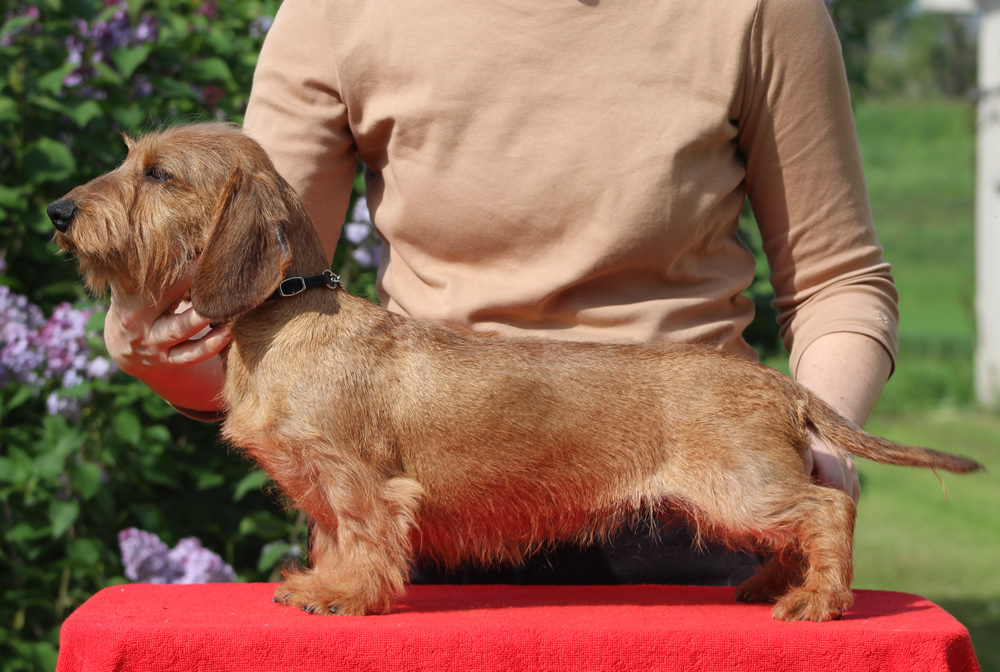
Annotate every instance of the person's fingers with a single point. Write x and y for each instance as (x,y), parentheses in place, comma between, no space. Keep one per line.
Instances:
(173,328)
(196,351)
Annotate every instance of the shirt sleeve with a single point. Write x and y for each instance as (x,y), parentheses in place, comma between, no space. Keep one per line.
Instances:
(298,116)
(806,183)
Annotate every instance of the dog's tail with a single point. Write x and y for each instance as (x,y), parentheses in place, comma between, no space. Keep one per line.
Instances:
(842,432)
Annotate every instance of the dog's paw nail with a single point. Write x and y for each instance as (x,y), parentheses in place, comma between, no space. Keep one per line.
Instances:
(308,609)
(333,608)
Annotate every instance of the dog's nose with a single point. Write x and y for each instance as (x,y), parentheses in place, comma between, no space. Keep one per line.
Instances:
(61,213)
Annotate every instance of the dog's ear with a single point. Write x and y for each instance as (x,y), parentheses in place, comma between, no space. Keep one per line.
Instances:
(247,254)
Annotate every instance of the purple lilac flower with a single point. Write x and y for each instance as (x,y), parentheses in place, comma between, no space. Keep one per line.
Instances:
(20,321)
(367,257)
(145,557)
(357,232)
(196,564)
(67,407)
(361,213)
(93,44)
(39,352)
(148,560)
(361,233)
(259,26)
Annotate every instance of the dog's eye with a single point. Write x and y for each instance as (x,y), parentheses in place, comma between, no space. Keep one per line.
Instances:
(156,173)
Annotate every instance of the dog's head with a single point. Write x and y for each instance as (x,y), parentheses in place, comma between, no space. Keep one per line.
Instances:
(205,193)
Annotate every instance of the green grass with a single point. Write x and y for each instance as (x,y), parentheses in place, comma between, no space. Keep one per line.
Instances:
(919,163)
(914,538)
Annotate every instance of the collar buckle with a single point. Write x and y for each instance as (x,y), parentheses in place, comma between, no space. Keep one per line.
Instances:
(297,284)
(292,286)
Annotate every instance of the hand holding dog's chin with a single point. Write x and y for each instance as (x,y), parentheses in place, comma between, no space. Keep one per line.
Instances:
(159,344)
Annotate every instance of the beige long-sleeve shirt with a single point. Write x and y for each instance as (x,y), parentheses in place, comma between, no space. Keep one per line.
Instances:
(577,168)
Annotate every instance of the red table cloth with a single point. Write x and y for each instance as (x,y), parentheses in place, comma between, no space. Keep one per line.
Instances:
(237,627)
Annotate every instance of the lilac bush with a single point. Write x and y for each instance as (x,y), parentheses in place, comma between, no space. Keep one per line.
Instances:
(148,560)
(86,451)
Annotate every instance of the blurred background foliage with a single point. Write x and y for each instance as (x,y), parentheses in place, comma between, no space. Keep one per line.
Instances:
(85,451)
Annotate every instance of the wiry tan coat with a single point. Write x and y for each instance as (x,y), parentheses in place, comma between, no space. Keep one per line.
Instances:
(403,439)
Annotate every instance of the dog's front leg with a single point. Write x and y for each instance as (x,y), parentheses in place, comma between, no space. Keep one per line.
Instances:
(361,551)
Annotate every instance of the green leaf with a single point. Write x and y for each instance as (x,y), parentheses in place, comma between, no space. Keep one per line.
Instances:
(157,434)
(22,393)
(68,439)
(84,113)
(52,81)
(49,465)
(107,75)
(253,481)
(262,523)
(78,391)
(63,514)
(272,554)
(16,23)
(49,160)
(83,552)
(86,479)
(49,103)
(128,427)
(26,532)
(46,655)
(96,320)
(209,479)
(172,88)
(128,60)
(129,116)
(21,466)
(10,196)
(8,109)
(212,69)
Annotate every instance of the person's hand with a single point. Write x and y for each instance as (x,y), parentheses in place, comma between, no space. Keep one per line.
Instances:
(157,343)
(142,336)
(832,468)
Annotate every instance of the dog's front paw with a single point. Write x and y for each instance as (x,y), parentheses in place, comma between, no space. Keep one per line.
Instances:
(801,604)
(310,593)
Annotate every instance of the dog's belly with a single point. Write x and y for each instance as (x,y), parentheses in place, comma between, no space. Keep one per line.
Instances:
(510,523)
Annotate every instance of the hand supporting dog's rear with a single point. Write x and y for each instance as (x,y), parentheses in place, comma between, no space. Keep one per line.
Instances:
(848,371)
(158,343)
(831,467)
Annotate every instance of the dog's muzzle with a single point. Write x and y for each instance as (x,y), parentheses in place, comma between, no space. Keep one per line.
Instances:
(61,213)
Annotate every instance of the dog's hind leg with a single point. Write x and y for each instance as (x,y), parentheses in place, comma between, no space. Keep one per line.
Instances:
(822,524)
(808,527)
(361,551)
(811,532)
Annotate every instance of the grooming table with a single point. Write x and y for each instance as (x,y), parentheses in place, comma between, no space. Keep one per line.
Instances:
(237,627)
